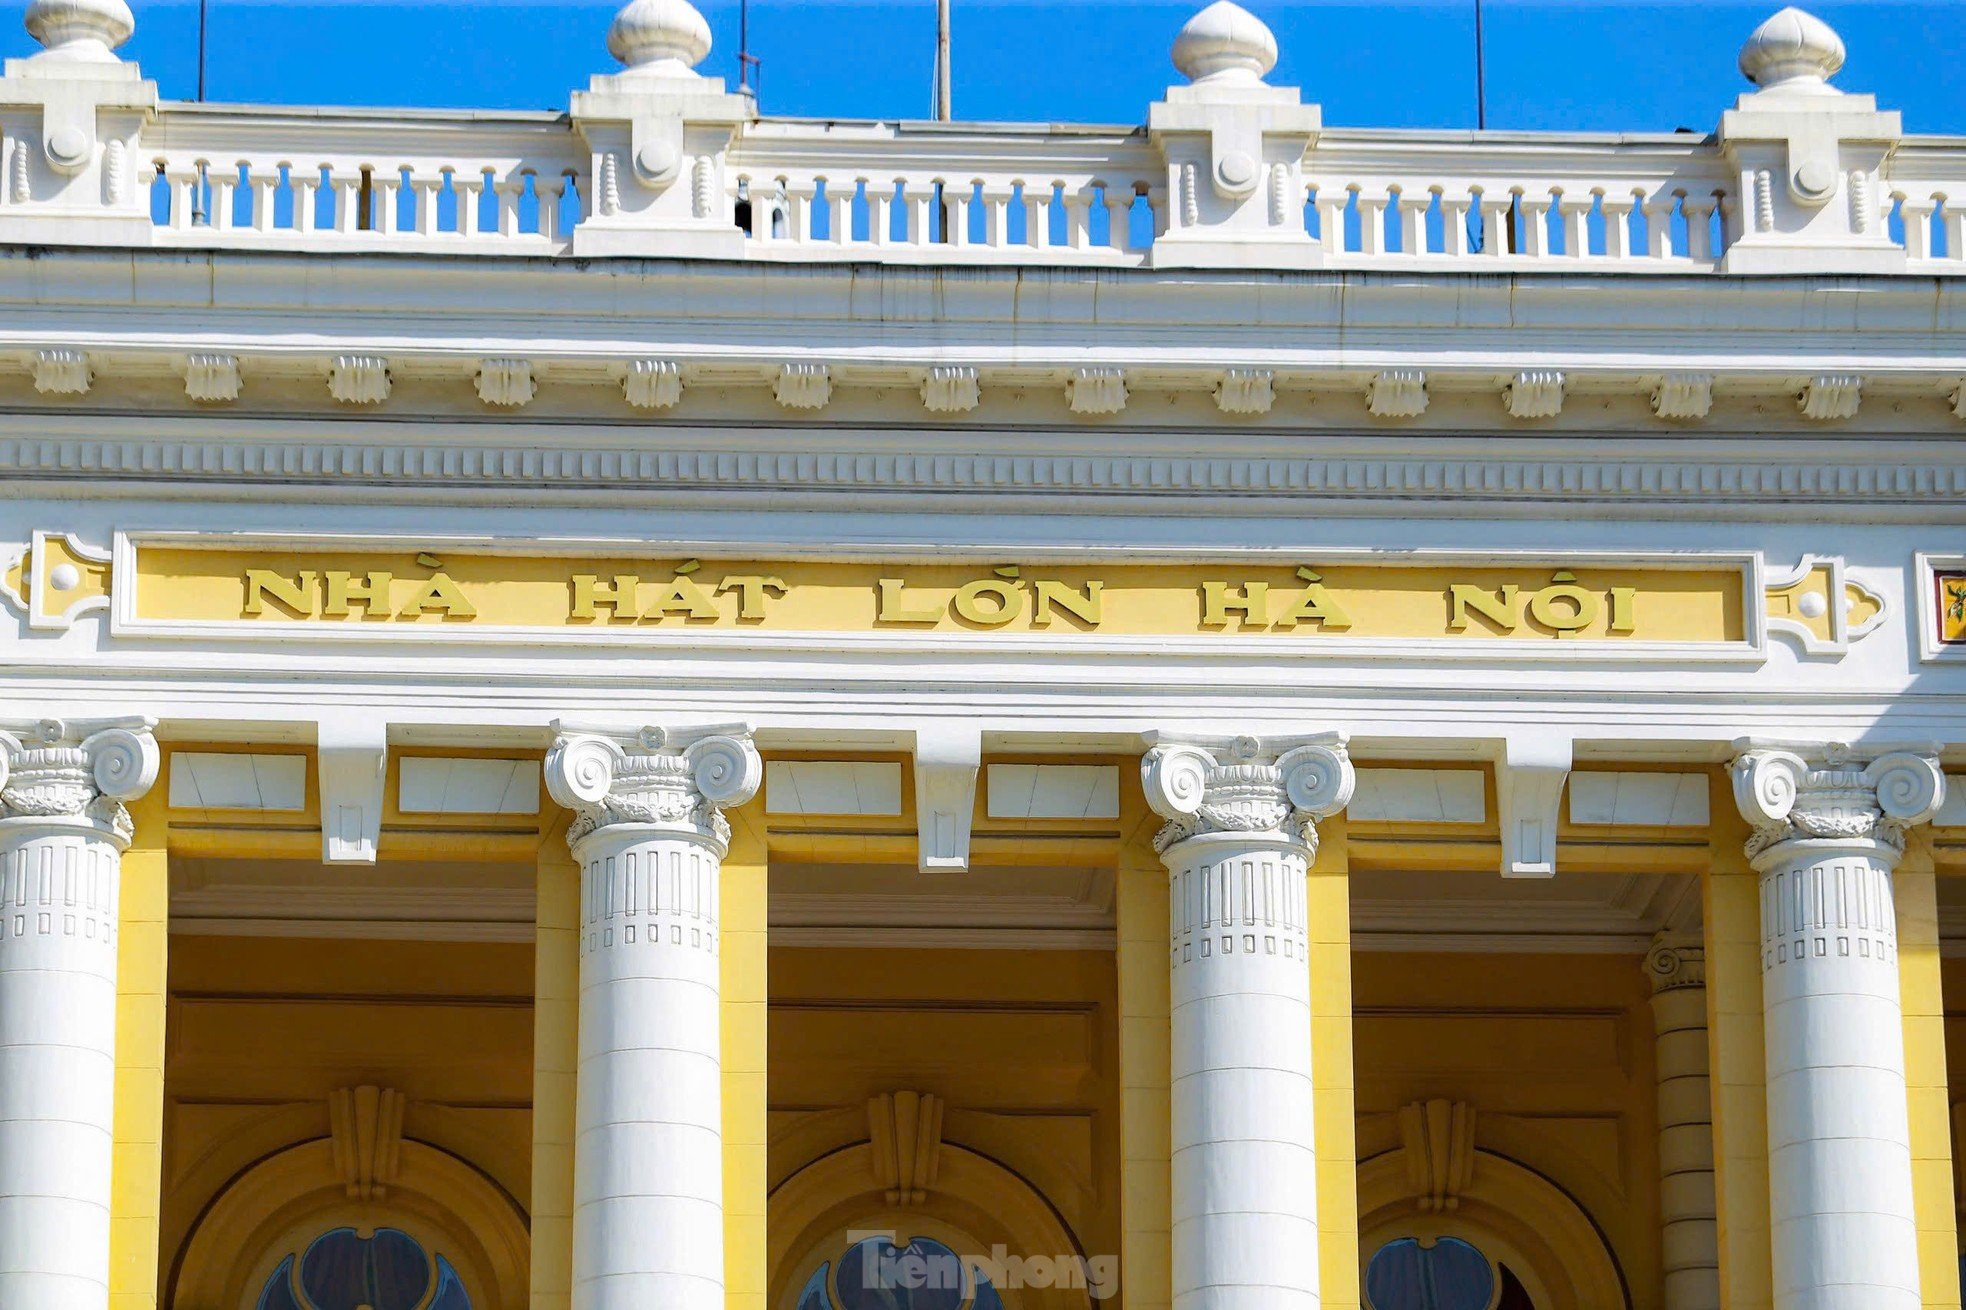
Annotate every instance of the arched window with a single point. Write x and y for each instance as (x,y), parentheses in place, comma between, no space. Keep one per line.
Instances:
(343,1270)
(1445,1274)
(875,1274)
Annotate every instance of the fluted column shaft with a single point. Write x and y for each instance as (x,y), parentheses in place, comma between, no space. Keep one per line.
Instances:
(63,830)
(1689,1233)
(1829,830)
(648,1155)
(1238,846)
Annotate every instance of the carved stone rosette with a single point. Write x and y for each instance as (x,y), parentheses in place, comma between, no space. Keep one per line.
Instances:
(79,772)
(1247,786)
(675,782)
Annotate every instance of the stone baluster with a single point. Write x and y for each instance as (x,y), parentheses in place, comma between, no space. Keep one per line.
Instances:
(63,831)
(1829,829)
(1690,1238)
(1238,844)
(650,837)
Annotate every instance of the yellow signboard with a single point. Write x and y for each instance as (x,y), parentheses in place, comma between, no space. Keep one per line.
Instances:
(1310,600)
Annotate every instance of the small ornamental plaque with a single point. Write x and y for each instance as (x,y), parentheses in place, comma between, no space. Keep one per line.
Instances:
(1951,588)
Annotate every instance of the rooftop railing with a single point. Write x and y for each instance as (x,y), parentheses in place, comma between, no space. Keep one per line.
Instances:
(1228,172)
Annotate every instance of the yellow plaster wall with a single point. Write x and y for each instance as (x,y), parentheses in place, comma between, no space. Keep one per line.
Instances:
(1737,1059)
(1922,984)
(1021,1045)
(1329,910)
(745,978)
(1146,1133)
(260,1031)
(556,1059)
(1554,1052)
(142,964)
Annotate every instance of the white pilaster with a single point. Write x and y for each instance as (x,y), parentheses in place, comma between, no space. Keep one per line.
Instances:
(1689,1233)
(648,1159)
(1829,830)
(63,830)
(1238,845)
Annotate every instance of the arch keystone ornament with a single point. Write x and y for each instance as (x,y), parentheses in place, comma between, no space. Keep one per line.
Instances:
(1829,828)
(1241,831)
(650,836)
(63,830)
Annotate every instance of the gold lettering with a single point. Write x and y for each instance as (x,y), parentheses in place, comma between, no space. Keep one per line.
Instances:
(892,610)
(1502,609)
(589,595)
(372,595)
(1088,609)
(440,593)
(1624,602)
(296,595)
(686,598)
(1564,608)
(752,590)
(1253,604)
(1008,604)
(1317,607)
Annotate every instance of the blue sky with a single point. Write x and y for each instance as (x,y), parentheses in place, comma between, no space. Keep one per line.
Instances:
(1551,63)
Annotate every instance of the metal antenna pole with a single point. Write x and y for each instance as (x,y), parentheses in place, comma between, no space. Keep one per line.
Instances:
(748,64)
(1481,74)
(944,93)
(204,15)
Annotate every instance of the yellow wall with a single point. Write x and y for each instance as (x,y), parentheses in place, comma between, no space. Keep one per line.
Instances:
(1146,1133)
(1329,908)
(142,956)
(556,1059)
(261,1031)
(745,978)
(1922,986)
(1737,1059)
(1555,1053)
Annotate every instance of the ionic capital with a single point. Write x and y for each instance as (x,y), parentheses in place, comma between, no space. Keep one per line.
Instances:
(1277,788)
(1807,799)
(1676,962)
(77,771)
(673,781)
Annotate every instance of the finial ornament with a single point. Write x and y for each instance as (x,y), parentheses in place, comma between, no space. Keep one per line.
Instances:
(1794,51)
(666,38)
(1225,43)
(86,31)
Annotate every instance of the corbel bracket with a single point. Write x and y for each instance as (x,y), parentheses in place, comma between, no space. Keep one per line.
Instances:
(1528,792)
(947,758)
(354,755)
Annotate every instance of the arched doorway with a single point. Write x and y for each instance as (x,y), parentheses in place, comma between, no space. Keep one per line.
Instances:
(982,1239)
(292,1234)
(1512,1240)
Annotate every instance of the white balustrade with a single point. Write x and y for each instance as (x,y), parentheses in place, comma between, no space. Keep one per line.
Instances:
(1230,172)
(299,180)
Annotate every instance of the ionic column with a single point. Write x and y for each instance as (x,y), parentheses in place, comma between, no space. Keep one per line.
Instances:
(1238,845)
(649,835)
(1829,829)
(1690,1238)
(63,830)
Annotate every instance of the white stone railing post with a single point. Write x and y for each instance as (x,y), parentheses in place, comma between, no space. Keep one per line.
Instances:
(1829,828)
(1807,157)
(1235,148)
(650,838)
(1238,844)
(1689,1230)
(660,134)
(71,124)
(63,830)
